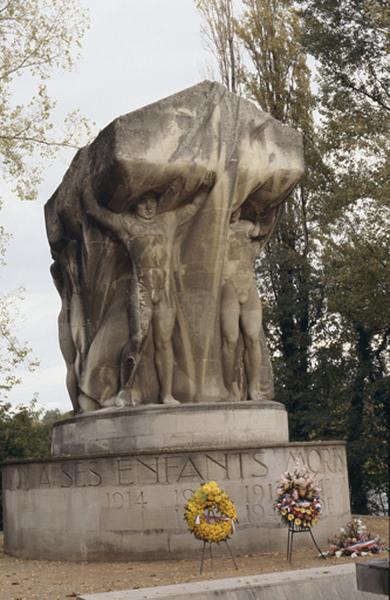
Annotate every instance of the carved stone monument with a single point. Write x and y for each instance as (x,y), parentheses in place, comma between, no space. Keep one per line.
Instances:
(154,231)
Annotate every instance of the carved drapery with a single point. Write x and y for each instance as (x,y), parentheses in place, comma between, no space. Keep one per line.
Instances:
(203,153)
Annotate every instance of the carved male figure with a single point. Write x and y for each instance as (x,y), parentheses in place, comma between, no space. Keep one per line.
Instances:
(148,240)
(240,304)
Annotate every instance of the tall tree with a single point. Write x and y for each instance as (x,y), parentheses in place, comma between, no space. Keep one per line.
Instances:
(37,37)
(220,37)
(277,77)
(14,354)
(357,282)
(319,275)
(349,39)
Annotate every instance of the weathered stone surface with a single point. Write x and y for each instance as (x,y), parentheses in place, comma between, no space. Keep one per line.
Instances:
(131,505)
(332,583)
(158,298)
(223,425)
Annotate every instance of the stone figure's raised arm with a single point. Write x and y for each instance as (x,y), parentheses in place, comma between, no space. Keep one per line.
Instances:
(185,213)
(102,215)
(258,237)
(266,225)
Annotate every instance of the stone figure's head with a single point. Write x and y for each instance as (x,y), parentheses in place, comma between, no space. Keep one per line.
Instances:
(146,207)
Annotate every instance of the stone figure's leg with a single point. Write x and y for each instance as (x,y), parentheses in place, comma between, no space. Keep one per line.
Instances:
(250,320)
(69,352)
(163,323)
(65,337)
(131,355)
(87,404)
(129,361)
(230,314)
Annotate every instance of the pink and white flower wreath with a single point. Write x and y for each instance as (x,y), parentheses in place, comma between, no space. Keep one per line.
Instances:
(298,498)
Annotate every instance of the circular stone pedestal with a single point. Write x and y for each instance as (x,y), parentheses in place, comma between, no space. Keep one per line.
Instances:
(117,483)
(162,427)
(131,507)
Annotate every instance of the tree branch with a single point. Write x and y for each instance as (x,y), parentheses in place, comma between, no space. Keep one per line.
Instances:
(372,97)
(39,141)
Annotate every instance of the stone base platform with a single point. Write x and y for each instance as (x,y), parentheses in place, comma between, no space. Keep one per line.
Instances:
(332,583)
(130,505)
(157,427)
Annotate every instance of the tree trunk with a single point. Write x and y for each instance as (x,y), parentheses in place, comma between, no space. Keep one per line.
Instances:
(356,455)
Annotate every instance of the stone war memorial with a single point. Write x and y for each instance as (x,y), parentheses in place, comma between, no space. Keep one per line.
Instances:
(153,232)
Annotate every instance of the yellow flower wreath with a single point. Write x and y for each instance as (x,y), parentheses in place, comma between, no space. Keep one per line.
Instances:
(210,514)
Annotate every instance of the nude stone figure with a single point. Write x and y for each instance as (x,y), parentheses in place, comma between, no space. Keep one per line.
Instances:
(241,306)
(147,238)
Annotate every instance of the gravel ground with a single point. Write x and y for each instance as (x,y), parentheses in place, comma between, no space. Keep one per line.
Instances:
(52,580)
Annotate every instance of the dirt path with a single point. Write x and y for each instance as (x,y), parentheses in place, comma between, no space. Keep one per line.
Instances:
(45,580)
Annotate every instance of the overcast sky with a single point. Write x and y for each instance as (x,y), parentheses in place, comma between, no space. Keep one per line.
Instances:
(133,54)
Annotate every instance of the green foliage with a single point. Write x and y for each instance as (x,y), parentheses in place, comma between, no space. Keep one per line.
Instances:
(277,77)
(357,281)
(14,354)
(324,278)
(350,40)
(25,430)
(355,251)
(25,433)
(36,39)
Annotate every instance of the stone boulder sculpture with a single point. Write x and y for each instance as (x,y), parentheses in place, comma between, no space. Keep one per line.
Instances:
(153,232)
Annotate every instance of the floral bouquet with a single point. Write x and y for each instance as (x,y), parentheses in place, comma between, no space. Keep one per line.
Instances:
(210,514)
(298,500)
(355,540)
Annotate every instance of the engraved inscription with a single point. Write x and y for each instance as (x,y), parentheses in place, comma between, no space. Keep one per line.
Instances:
(255,506)
(262,469)
(18,478)
(249,476)
(222,465)
(125,499)
(79,474)
(125,471)
(189,470)
(83,473)
(319,460)
(148,470)
(122,490)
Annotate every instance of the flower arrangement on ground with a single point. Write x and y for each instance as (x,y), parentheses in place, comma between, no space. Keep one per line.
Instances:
(355,539)
(210,514)
(298,498)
